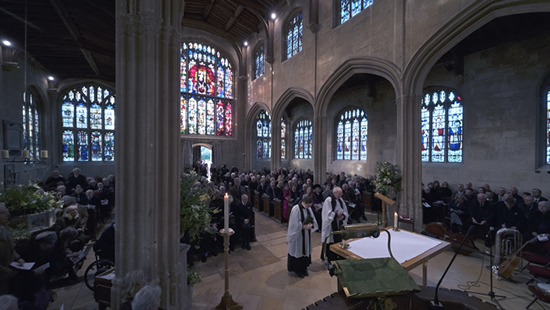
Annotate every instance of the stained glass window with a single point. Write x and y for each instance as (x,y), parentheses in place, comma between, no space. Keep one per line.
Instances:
(31,125)
(442,116)
(351,135)
(259,58)
(263,135)
(350,8)
(294,32)
(283,137)
(548,127)
(88,114)
(302,139)
(206,87)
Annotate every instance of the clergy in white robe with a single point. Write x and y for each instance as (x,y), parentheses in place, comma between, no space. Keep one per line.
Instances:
(301,224)
(334,214)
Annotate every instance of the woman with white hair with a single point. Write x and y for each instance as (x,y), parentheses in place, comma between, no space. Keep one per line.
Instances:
(8,302)
(148,298)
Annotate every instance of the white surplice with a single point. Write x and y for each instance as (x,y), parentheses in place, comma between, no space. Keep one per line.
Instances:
(328,216)
(294,237)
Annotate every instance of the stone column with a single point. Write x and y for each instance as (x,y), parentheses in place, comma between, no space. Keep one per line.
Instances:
(408,157)
(319,148)
(275,142)
(187,154)
(148,147)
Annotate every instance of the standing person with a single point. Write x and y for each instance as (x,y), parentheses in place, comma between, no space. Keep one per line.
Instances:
(300,225)
(287,201)
(335,214)
(244,216)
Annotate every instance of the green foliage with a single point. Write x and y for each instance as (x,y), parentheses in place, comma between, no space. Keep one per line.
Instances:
(193,277)
(194,199)
(388,178)
(19,230)
(28,199)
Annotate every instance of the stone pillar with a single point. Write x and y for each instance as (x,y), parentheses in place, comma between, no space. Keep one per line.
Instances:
(320,147)
(409,158)
(148,145)
(275,142)
(187,154)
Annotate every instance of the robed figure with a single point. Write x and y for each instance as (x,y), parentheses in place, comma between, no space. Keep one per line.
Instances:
(301,224)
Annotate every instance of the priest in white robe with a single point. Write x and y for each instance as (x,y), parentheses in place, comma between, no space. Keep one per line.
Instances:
(301,224)
(335,215)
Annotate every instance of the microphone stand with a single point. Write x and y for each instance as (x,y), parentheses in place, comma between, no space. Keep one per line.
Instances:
(435,304)
(491,293)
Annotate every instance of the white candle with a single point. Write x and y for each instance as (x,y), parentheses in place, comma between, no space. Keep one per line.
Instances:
(25,154)
(44,154)
(225,213)
(395,221)
(5,154)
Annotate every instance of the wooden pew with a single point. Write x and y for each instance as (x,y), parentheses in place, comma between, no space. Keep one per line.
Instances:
(257,202)
(278,210)
(366,198)
(267,204)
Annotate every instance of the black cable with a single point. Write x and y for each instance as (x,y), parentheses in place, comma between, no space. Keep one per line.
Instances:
(470,284)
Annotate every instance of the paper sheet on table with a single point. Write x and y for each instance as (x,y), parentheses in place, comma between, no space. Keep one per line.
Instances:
(404,245)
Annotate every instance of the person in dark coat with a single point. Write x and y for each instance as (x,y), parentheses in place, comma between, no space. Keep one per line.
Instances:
(244,216)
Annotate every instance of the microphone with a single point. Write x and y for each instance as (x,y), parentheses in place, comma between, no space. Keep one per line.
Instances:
(489,237)
(435,304)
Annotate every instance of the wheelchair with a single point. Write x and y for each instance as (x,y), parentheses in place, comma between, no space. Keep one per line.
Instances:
(100,265)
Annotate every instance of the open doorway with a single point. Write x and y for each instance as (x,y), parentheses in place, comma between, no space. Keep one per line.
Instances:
(202,160)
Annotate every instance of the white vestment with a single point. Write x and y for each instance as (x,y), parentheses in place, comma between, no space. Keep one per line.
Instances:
(328,216)
(296,247)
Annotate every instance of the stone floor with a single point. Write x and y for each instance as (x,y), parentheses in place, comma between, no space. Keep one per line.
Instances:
(259,279)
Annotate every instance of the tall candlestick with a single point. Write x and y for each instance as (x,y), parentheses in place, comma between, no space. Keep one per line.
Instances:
(225,213)
(5,154)
(395,221)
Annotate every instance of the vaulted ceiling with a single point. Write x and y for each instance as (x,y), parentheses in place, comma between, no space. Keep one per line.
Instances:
(76,38)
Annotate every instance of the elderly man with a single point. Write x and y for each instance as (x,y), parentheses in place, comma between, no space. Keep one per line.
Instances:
(76,179)
(7,251)
(54,179)
(334,215)
(244,217)
(483,215)
(93,203)
(539,222)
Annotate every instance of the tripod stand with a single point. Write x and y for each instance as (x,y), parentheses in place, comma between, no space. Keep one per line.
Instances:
(491,293)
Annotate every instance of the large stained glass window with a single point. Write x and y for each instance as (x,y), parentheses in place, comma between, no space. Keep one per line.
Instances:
(31,125)
(351,135)
(283,137)
(263,135)
(302,139)
(259,58)
(548,127)
(442,117)
(206,87)
(88,114)
(294,30)
(350,8)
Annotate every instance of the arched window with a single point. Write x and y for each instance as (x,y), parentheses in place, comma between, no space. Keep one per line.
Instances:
(293,30)
(259,58)
(548,127)
(206,87)
(263,135)
(302,139)
(88,114)
(350,8)
(283,137)
(31,125)
(442,117)
(351,135)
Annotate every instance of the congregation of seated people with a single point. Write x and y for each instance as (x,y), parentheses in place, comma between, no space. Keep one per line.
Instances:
(286,185)
(485,210)
(55,250)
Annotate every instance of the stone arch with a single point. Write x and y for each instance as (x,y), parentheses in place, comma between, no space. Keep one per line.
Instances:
(455,30)
(374,66)
(250,129)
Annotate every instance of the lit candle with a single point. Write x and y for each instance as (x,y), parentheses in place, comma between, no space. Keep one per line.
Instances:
(25,154)
(395,221)
(43,154)
(225,213)
(5,154)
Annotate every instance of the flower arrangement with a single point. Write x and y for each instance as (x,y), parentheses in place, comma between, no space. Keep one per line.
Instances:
(194,199)
(28,199)
(388,178)
(193,277)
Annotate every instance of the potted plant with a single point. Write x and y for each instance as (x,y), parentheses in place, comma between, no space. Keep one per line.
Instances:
(194,199)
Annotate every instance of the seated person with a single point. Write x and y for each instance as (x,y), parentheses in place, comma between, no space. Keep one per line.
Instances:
(459,212)
(104,247)
(132,283)
(539,224)
(61,258)
(510,216)
(244,218)
(483,216)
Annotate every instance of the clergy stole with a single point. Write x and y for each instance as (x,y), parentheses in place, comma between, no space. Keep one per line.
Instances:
(303,230)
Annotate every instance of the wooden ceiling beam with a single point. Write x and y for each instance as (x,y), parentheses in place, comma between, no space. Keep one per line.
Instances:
(232,20)
(73,30)
(208,9)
